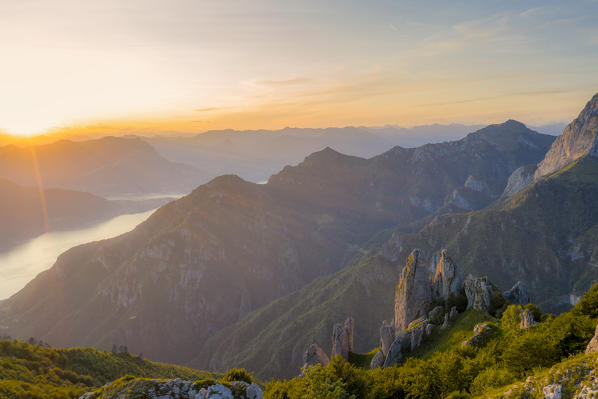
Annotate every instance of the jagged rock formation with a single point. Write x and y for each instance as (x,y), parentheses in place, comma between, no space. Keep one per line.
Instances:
(482,332)
(377,360)
(175,389)
(517,294)
(314,355)
(413,294)
(342,338)
(593,344)
(578,140)
(407,340)
(387,337)
(519,179)
(446,280)
(479,292)
(527,319)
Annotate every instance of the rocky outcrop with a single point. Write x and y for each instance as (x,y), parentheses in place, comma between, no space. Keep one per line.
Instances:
(517,295)
(593,344)
(175,389)
(519,179)
(407,341)
(387,337)
(413,295)
(314,355)
(446,279)
(482,332)
(342,339)
(552,391)
(527,319)
(479,292)
(579,139)
(377,360)
(436,315)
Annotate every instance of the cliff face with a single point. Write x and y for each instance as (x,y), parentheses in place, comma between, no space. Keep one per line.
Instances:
(578,139)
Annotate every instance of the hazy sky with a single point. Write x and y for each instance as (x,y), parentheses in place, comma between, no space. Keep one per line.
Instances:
(197,65)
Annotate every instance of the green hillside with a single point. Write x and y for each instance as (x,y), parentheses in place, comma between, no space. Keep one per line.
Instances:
(34,371)
(548,352)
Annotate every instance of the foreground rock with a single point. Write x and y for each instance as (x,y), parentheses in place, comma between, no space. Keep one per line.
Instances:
(314,355)
(174,389)
(342,338)
(413,294)
(479,292)
(593,344)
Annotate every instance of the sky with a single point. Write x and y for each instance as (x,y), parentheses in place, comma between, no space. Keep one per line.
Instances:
(193,65)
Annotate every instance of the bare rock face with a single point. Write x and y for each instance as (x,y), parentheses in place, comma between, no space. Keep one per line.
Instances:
(377,360)
(413,295)
(314,355)
(578,140)
(593,344)
(527,319)
(479,292)
(446,279)
(387,337)
(519,179)
(517,295)
(552,391)
(342,338)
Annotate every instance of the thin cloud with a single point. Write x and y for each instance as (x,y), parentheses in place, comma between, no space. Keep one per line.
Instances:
(282,83)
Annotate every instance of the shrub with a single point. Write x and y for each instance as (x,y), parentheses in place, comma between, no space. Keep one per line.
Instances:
(233,375)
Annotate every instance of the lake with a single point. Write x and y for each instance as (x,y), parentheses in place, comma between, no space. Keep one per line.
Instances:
(21,264)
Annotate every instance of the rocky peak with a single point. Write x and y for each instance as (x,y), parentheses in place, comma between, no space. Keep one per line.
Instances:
(413,295)
(579,139)
(446,279)
(342,338)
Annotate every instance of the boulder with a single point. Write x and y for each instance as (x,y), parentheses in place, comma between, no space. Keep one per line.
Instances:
(446,321)
(482,332)
(527,319)
(436,315)
(453,313)
(387,337)
(446,278)
(593,344)
(377,360)
(395,353)
(517,295)
(217,391)
(413,295)
(479,292)
(314,355)
(253,391)
(342,338)
(552,391)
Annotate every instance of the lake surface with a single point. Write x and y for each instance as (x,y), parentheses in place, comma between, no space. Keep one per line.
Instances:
(21,264)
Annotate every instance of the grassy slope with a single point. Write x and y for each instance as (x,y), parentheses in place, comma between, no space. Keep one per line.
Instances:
(32,371)
(270,342)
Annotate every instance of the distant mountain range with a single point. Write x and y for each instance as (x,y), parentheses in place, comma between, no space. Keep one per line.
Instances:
(255,155)
(206,261)
(109,166)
